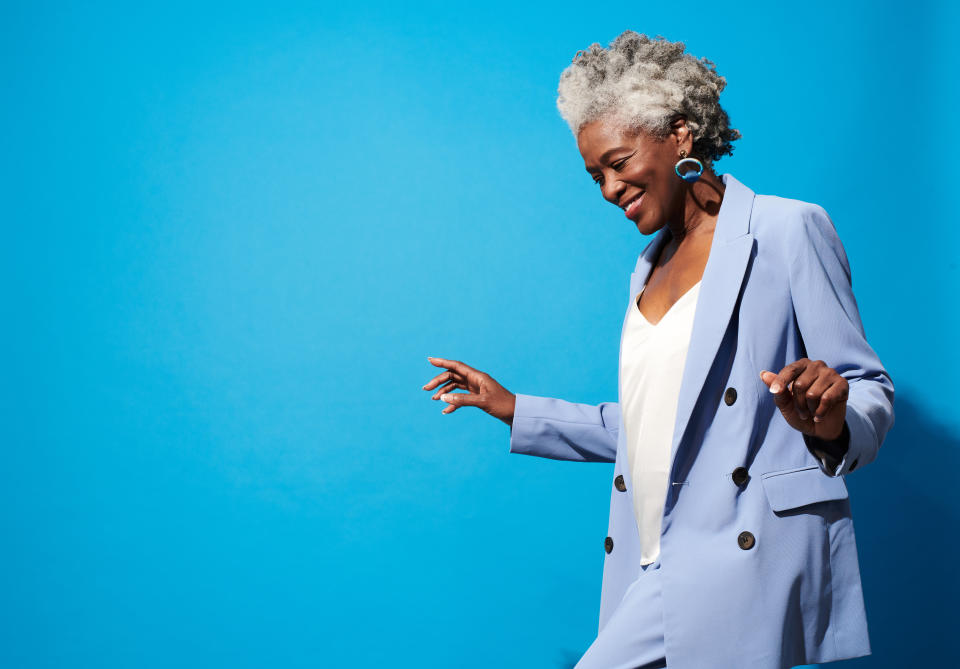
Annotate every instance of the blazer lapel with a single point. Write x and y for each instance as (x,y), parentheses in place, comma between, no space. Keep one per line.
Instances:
(729,256)
(647,257)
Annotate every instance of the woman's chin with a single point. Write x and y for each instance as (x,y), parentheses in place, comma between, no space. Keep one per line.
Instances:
(645,227)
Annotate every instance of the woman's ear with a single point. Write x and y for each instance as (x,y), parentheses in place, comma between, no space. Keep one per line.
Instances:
(681,131)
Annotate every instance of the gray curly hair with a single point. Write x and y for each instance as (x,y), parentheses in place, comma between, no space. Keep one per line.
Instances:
(645,84)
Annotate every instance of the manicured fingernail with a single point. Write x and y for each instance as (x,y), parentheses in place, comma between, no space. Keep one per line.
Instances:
(775,388)
(817,419)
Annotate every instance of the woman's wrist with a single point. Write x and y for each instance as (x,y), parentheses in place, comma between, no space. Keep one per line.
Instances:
(834,449)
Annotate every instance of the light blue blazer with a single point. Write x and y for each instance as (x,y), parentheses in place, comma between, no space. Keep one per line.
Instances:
(776,288)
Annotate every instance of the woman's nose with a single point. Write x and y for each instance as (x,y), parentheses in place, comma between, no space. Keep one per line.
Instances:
(613,191)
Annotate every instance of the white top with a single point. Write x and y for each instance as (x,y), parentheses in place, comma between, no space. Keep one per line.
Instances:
(651,368)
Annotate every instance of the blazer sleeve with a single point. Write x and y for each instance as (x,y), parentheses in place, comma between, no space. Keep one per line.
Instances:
(561,430)
(822,291)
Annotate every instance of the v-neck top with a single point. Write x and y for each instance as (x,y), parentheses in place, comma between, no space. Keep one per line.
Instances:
(651,368)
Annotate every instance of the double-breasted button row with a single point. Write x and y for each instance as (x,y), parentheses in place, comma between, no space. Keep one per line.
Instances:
(619,484)
(740,476)
(745,540)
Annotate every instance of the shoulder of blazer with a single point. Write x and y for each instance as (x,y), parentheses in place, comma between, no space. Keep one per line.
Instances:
(778,223)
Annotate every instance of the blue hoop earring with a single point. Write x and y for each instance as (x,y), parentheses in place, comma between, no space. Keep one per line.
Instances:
(693,174)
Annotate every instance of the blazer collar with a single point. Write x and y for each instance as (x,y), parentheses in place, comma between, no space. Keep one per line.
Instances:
(732,222)
(730,252)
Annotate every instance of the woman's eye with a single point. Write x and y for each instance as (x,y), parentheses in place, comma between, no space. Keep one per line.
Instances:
(619,165)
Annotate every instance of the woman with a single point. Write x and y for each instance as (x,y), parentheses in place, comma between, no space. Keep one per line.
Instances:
(747,390)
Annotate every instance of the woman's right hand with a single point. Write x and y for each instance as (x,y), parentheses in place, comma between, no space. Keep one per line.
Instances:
(482,390)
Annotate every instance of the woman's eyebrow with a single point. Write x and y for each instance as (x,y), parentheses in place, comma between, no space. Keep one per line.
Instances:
(605,155)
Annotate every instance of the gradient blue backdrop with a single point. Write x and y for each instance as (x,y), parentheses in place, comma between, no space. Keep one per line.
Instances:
(233,233)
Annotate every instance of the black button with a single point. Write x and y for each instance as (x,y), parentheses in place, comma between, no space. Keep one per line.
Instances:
(740,475)
(608,544)
(620,485)
(853,464)
(746,540)
(730,396)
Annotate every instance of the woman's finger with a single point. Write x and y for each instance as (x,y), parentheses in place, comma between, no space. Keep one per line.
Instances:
(781,396)
(440,378)
(453,365)
(814,393)
(784,401)
(811,372)
(834,396)
(786,376)
(779,386)
(457,400)
(453,385)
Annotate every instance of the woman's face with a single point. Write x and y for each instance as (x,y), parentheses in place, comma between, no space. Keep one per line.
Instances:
(627,165)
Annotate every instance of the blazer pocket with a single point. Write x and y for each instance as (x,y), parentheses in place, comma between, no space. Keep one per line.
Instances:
(793,488)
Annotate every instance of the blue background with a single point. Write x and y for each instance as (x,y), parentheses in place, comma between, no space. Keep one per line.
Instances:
(233,233)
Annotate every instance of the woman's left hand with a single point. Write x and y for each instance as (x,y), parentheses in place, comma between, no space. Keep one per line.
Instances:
(811,396)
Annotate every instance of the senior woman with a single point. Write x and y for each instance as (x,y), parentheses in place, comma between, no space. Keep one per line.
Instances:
(747,390)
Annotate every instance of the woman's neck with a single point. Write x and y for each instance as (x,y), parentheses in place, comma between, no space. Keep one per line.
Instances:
(700,208)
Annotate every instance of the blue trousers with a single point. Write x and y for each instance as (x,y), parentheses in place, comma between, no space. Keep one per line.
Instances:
(633,636)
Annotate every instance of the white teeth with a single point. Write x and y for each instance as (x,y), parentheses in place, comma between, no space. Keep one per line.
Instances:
(633,200)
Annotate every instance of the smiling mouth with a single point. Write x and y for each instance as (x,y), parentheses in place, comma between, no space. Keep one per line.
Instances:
(631,209)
